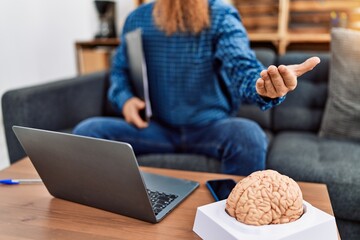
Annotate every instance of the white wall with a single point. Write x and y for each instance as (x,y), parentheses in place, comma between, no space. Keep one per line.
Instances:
(37,39)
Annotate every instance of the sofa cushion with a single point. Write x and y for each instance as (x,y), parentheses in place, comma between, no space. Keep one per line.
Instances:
(303,108)
(189,162)
(306,157)
(252,112)
(342,113)
(52,105)
(349,230)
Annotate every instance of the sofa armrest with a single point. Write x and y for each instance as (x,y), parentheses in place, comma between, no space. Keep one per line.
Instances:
(53,106)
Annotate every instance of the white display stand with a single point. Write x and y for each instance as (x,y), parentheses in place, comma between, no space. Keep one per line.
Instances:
(212,222)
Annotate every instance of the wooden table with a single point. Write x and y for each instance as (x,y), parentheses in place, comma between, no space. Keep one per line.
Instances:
(30,212)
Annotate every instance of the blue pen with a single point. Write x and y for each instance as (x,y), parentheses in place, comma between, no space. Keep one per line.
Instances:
(19,181)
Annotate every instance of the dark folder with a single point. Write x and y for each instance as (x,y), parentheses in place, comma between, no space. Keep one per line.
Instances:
(138,70)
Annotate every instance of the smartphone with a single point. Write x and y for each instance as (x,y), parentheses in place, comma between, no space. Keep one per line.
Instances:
(220,188)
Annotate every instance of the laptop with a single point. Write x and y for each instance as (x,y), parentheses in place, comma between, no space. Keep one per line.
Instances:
(138,70)
(101,173)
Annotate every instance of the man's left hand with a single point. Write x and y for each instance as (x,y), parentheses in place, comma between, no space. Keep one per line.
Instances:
(278,81)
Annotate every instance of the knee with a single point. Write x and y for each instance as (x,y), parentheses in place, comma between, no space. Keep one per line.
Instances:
(249,146)
(255,136)
(88,127)
(248,133)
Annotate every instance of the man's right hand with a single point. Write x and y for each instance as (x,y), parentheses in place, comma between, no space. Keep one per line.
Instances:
(131,110)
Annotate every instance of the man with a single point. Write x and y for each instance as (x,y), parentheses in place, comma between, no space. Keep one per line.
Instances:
(200,69)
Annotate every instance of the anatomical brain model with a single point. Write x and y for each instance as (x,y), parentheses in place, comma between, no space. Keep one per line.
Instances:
(265,197)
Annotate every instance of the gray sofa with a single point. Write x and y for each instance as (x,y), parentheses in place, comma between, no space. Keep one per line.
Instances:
(295,148)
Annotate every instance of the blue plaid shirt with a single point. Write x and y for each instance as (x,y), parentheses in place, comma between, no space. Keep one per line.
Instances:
(193,79)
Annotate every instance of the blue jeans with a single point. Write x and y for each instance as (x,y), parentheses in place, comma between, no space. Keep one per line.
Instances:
(239,144)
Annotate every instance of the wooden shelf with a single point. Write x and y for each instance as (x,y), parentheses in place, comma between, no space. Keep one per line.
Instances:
(283,22)
(308,37)
(323,5)
(279,22)
(260,37)
(94,55)
(98,42)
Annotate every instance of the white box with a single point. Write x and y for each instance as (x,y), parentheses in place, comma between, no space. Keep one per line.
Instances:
(212,222)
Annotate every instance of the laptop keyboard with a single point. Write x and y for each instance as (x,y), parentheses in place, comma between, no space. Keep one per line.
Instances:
(159,200)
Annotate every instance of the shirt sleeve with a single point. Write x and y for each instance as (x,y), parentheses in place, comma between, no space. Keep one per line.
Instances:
(120,89)
(239,67)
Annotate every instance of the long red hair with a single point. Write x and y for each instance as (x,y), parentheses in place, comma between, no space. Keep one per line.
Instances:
(173,16)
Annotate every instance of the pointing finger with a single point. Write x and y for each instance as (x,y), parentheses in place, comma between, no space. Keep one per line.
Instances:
(306,66)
